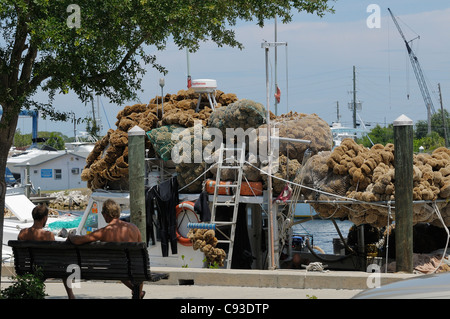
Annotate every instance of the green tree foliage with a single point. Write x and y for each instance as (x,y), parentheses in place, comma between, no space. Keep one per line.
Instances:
(56,141)
(53,139)
(429,142)
(436,125)
(378,135)
(384,135)
(22,140)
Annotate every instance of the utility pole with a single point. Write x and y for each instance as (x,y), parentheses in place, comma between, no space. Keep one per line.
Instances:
(276,67)
(338,115)
(74,127)
(444,124)
(94,121)
(161,84)
(354,97)
(353,105)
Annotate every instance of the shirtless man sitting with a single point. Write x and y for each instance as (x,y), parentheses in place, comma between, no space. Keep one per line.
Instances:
(116,231)
(37,232)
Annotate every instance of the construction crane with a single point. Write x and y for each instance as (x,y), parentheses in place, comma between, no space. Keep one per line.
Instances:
(419,75)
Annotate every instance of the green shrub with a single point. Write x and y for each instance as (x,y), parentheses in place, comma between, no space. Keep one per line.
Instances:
(28,286)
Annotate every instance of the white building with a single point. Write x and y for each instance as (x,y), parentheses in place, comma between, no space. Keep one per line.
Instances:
(50,170)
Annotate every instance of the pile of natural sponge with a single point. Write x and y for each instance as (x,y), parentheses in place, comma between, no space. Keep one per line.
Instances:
(107,165)
(368,175)
(206,241)
(300,126)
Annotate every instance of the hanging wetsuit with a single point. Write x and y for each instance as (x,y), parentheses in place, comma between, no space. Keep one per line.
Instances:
(166,197)
(201,207)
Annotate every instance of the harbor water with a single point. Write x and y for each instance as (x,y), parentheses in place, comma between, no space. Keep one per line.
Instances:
(323,232)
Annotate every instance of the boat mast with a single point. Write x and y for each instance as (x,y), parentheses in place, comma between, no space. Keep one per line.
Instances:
(272,217)
(276,68)
(269,170)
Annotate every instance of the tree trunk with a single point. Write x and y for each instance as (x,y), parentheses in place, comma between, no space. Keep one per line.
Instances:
(7,130)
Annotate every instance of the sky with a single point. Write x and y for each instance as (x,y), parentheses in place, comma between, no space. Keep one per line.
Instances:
(314,70)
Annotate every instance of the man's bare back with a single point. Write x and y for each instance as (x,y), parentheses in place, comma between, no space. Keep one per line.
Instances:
(116,230)
(33,233)
(119,231)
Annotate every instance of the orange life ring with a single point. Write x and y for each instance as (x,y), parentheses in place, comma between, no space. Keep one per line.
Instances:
(182,210)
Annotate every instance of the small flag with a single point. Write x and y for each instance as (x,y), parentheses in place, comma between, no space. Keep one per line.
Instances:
(278,94)
(189,84)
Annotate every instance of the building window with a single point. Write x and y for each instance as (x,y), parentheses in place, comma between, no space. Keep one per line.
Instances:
(58,174)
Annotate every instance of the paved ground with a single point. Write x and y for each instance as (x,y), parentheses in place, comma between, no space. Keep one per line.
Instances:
(113,290)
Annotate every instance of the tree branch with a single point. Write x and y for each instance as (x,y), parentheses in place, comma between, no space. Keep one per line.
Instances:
(122,63)
(18,48)
(28,63)
(27,69)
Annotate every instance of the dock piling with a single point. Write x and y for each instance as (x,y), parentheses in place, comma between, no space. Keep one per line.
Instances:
(136,160)
(403,148)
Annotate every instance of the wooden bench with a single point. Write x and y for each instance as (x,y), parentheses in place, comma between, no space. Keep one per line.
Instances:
(96,261)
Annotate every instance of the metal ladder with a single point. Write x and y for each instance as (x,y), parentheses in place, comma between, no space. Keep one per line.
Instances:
(233,201)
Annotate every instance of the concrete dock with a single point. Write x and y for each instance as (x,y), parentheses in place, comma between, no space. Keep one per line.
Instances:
(280,278)
(195,283)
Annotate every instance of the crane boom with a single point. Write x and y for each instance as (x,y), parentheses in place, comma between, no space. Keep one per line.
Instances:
(419,75)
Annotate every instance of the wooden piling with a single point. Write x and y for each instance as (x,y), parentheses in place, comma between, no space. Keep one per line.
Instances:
(403,141)
(136,172)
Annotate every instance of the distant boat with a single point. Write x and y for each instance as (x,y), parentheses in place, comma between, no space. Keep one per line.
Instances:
(340,133)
